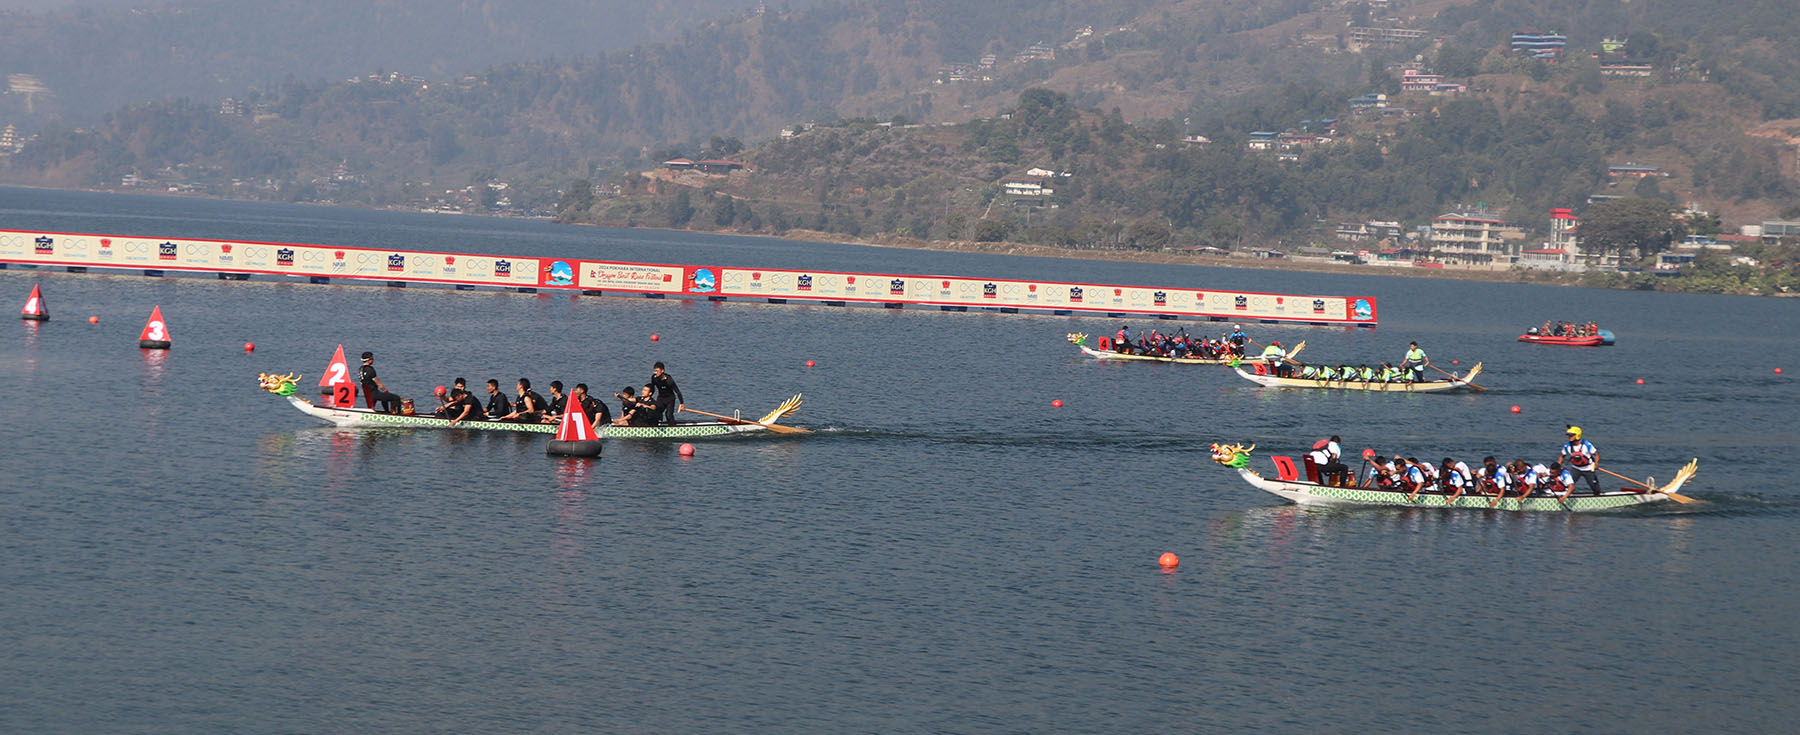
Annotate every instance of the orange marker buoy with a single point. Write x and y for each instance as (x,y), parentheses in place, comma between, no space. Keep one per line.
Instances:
(1777,371)
(1169,559)
(654,338)
(249,346)
(156,331)
(1456,362)
(1515,409)
(1056,403)
(34,310)
(809,363)
(1640,381)
(687,450)
(93,320)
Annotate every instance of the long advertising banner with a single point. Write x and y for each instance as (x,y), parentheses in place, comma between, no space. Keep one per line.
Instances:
(678,281)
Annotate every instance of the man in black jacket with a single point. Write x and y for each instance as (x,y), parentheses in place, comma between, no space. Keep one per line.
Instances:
(668,395)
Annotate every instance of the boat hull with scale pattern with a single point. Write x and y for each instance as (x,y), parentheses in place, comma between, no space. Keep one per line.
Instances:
(1306,493)
(361,418)
(1429,386)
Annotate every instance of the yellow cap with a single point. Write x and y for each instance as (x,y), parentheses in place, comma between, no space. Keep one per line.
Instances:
(1575,431)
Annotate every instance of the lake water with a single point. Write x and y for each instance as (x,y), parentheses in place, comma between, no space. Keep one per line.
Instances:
(182,553)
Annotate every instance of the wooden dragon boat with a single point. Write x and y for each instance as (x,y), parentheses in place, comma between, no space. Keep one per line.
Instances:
(1429,386)
(1604,338)
(1107,353)
(362,418)
(1289,486)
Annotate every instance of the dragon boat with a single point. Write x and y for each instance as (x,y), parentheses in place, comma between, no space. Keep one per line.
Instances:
(1106,352)
(362,418)
(1289,486)
(1604,338)
(1429,386)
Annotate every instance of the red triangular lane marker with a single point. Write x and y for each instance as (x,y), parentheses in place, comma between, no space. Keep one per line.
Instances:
(155,330)
(34,306)
(337,372)
(574,426)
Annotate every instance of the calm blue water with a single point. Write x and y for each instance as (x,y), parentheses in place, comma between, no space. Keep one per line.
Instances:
(182,553)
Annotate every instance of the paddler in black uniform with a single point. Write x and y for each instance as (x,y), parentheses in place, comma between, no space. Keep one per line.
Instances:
(464,407)
(595,409)
(530,407)
(377,395)
(497,406)
(668,395)
(558,402)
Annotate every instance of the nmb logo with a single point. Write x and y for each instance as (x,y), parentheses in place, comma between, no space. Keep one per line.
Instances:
(503,269)
(44,245)
(396,263)
(804,282)
(284,256)
(165,251)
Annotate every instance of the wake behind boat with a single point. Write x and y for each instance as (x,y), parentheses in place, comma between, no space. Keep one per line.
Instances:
(363,418)
(1289,486)
(1423,386)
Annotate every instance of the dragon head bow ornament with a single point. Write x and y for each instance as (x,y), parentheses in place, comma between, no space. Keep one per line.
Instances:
(1232,455)
(1078,338)
(281,385)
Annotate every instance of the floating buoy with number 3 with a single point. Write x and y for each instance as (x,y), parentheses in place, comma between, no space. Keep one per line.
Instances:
(336,386)
(156,332)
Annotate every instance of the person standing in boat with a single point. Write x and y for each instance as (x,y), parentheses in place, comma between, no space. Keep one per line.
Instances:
(1580,458)
(497,406)
(668,394)
(1416,362)
(1277,360)
(374,391)
(1237,339)
(1122,340)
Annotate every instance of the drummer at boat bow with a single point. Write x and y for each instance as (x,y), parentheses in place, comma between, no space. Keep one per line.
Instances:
(373,390)
(1325,456)
(668,395)
(1580,458)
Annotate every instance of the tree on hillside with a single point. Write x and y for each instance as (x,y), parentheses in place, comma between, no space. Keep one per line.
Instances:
(576,200)
(1629,228)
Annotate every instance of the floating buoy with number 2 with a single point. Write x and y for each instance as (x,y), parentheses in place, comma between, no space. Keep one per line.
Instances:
(34,310)
(575,437)
(156,332)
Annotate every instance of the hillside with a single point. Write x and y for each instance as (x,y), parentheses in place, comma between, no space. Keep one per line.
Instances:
(1126,84)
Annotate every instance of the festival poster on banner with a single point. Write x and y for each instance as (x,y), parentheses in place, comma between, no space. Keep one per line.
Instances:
(601,276)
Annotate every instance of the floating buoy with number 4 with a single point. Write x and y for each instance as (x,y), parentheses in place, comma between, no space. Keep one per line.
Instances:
(336,388)
(34,310)
(575,437)
(156,332)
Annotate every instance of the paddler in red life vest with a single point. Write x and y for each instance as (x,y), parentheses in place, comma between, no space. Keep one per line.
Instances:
(1580,458)
(1122,340)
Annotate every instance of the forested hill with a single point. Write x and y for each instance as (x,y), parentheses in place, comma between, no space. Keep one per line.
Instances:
(1705,99)
(89,60)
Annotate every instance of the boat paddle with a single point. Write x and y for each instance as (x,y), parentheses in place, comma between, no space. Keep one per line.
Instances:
(777,428)
(1455,379)
(1672,495)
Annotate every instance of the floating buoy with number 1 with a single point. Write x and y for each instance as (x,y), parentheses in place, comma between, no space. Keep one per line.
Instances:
(156,332)
(34,310)
(575,437)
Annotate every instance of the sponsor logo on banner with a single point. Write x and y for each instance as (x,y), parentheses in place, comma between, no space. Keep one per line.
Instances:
(1160,298)
(702,280)
(1031,292)
(503,269)
(106,250)
(165,251)
(850,284)
(1318,306)
(396,263)
(897,287)
(284,256)
(1362,310)
(559,273)
(225,255)
(944,287)
(1241,303)
(1075,294)
(989,290)
(44,245)
(449,268)
(805,282)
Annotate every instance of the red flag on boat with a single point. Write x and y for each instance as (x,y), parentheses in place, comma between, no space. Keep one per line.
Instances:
(574,426)
(34,307)
(340,390)
(156,332)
